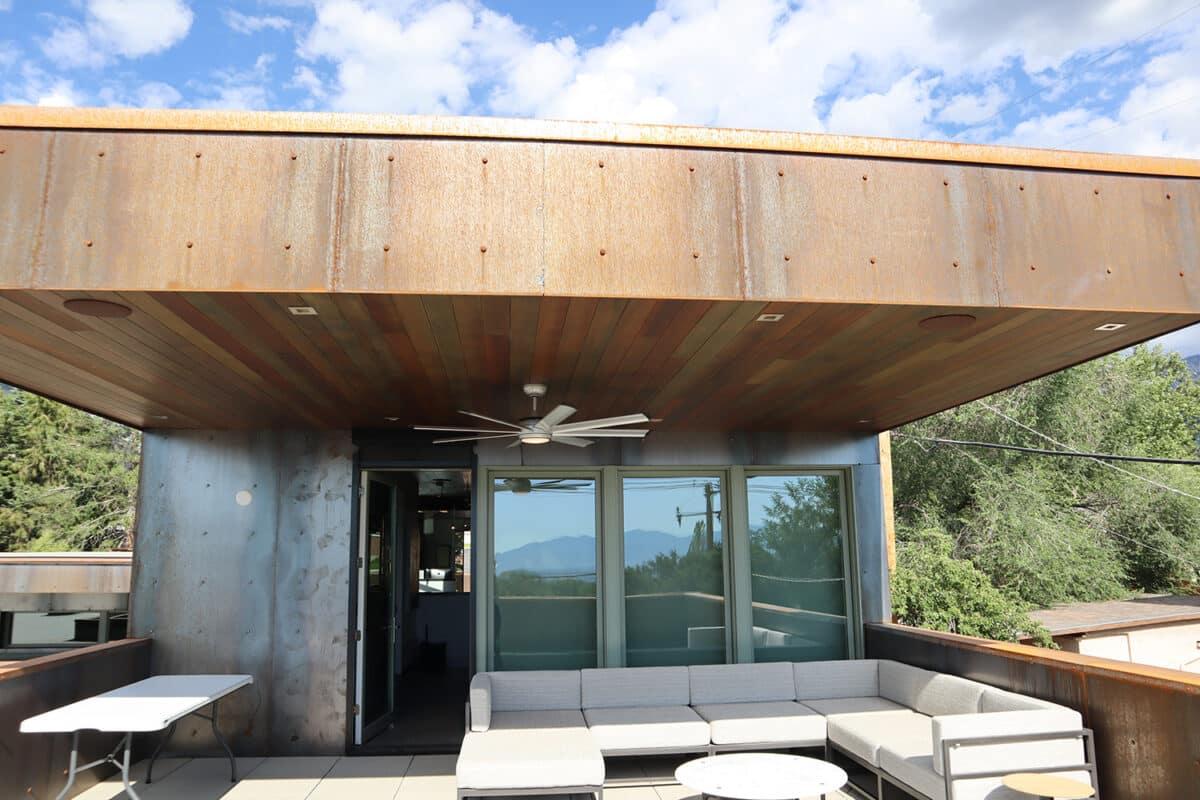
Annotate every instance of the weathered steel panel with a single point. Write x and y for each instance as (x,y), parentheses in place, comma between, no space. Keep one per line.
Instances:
(25,158)
(1146,719)
(312,594)
(231,212)
(32,765)
(458,217)
(240,566)
(640,222)
(865,231)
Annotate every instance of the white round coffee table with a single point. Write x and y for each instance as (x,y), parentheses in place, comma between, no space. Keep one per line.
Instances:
(760,776)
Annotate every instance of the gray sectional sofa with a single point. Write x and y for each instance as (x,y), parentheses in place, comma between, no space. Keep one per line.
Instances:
(934,736)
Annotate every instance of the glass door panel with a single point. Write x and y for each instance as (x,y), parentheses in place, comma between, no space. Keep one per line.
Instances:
(674,571)
(544,540)
(797,567)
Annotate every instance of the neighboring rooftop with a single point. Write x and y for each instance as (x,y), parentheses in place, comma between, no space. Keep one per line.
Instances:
(1135,612)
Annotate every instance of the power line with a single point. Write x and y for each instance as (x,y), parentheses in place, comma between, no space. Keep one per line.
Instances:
(1057,443)
(1131,120)
(1096,60)
(1064,453)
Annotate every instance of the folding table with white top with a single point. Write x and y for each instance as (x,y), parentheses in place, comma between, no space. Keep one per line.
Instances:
(150,705)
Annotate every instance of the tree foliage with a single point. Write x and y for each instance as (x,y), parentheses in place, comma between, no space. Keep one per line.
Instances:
(1045,529)
(68,479)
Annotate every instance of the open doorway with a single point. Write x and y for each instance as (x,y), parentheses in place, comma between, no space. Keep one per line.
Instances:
(414,609)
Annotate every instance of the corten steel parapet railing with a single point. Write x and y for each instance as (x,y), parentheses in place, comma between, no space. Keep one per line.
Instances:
(1146,720)
(31,765)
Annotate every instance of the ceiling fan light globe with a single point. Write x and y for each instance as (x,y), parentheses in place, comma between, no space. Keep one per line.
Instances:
(534,437)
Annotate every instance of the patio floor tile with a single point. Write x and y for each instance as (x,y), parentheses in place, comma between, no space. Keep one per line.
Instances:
(363,778)
(292,778)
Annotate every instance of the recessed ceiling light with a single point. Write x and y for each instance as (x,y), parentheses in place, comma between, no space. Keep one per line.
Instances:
(863,421)
(159,416)
(1111,326)
(770,317)
(302,311)
(947,322)
(392,419)
(97,308)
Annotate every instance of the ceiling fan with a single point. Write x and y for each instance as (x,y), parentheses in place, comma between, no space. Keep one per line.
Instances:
(526,485)
(553,427)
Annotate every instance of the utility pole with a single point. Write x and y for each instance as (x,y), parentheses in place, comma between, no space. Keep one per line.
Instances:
(710,492)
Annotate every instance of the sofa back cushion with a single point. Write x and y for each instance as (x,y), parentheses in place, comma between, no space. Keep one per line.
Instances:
(994,700)
(825,680)
(627,687)
(741,683)
(930,693)
(541,690)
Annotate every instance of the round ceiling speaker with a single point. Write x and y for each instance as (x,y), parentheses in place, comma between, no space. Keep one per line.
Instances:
(947,322)
(97,308)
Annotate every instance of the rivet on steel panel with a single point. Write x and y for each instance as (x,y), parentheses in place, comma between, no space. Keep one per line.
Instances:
(1095,191)
(872,260)
(1021,187)
(601,165)
(955,265)
(1109,271)
(485,159)
(691,169)
(287,247)
(3,151)
(695,254)
(603,251)
(189,244)
(945,183)
(387,247)
(197,154)
(1168,195)
(293,156)
(1032,268)
(100,154)
(483,248)
(864,177)
(87,243)
(787,257)
(391,158)
(781,173)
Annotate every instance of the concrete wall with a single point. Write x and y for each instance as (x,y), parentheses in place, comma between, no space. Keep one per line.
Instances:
(1175,646)
(242,564)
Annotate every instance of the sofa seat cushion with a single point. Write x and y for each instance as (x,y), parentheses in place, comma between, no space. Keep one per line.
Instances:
(852,705)
(914,770)
(782,722)
(905,732)
(651,727)
(529,755)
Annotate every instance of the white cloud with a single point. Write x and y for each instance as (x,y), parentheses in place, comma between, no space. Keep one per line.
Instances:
(37,87)
(117,28)
(248,24)
(901,111)
(152,94)
(238,88)
(972,108)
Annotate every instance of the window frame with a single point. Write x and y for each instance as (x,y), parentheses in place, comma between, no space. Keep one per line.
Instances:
(610,545)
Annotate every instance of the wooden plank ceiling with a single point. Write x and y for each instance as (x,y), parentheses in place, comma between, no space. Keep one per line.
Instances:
(241,360)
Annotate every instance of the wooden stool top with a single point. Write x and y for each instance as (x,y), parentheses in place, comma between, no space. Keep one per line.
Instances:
(1048,786)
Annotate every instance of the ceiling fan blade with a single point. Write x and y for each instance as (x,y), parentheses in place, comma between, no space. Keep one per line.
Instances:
(557,415)
(636,433)
(517,443)
(452,429)
(473,438)
(574,442)
(606,422)
(491,419)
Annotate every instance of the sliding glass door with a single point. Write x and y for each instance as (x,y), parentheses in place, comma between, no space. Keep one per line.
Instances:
(674,553)
(545,580)
(798,567)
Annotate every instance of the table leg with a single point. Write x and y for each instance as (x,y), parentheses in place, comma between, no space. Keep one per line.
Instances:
(71,767)
(154,756)
(217,733)
(125,767)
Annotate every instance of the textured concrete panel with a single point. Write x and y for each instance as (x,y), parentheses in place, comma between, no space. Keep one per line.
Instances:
(240,565)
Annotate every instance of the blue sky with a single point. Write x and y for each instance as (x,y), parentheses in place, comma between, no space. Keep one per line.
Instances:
(1114,75)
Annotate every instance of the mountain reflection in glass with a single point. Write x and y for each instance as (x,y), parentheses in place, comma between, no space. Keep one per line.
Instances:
(544,615)
(798,586)
(674,571)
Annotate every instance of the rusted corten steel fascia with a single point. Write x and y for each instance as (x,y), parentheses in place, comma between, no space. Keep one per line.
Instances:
(343,124)
(121,209)
(1146,719)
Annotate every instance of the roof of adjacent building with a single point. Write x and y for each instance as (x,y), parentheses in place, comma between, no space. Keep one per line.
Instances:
(1107,615)
(348,124)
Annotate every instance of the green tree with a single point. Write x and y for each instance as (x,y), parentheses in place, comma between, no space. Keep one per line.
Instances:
(68,479)
(1044,529)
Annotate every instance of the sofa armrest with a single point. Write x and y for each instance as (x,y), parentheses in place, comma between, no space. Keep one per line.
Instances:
(970,734)
(479,702)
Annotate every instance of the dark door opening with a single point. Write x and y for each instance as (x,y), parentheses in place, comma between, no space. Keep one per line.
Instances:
(416,646)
